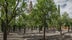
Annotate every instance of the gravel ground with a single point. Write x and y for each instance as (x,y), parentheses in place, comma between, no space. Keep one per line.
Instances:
(37,36)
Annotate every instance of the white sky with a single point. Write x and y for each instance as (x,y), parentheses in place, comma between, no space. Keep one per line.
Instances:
(66,5)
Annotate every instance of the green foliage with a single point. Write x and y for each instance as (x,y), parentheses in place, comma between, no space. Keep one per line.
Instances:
(2,1)
(14,8)
(44,13)
(66,19)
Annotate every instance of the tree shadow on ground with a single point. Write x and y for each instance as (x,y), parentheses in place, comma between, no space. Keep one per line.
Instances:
(55,37)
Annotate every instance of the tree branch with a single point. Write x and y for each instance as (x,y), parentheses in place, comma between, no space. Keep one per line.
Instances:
(14,12)
(1,18)
(2,5)
(15,6)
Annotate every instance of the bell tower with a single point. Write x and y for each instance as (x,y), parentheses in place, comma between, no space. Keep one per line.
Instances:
(29,5)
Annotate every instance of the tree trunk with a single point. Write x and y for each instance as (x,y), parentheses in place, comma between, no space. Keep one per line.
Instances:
(14,28)
(60,31)
(32,28)
(24,30)
(6,23)
(5,34)
(44,33)
(39,29)
(68,28)
(19,28)
(5,28)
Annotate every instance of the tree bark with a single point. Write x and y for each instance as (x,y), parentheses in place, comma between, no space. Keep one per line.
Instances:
(14,28)
(5,34)
(24,30)
(6,23)
(60,31)
(19,28)
(68,28)
(44,33)
(40,28)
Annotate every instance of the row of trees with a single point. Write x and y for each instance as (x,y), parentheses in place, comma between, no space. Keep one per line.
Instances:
(44,14)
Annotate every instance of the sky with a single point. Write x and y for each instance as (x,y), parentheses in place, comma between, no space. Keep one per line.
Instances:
(65,6)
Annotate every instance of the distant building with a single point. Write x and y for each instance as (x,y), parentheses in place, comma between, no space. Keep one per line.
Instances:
(29,6)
